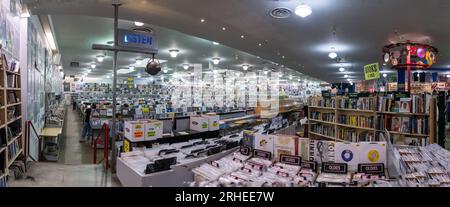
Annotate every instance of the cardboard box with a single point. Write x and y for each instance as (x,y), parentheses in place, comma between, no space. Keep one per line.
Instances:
(213,122)
(286,145)
(153,130)
(199,123)
(248,139)
(264,142)
(135,131)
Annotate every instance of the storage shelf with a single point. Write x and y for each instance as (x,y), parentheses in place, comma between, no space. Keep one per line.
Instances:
(15,119)
(325,122)
(10,162)
(404,114)
(14,139)
(326,136)
(356,110)
(321,107)
(14,104)
(355,127)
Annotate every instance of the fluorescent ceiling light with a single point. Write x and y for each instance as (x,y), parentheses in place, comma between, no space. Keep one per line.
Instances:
(303,10)
(100,58)
(174,53)
(138,24)
(51,40)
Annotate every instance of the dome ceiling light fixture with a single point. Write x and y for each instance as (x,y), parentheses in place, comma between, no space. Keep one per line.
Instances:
(385,75)
(174,53)
(100,58)
(245,67)
(215,61)
(332,54)
(341,69)
(186,66)
(138,24)
(345,76)
(93,66)
(303,10)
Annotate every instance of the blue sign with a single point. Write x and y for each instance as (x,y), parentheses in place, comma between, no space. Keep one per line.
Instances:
(137,40)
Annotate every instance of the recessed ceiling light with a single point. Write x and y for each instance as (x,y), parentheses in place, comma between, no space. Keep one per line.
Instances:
(385,75)
(138,24)
(266,72)
(341,69)
(100,58)
(282,57)
(216,60)
(345,76)
(108,76)
(138,61)
(93,66)
(165,71)
(174,53)
(139,76)
(186,66)
(242,36)
(245,67)
(303,10)
(258,57)
(202,20)
(332,55)
(260,44)
(290,77)
(223,28)
(215,43)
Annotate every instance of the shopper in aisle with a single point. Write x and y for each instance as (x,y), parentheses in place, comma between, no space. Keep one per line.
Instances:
(119,127)
(74,105)
(87,130)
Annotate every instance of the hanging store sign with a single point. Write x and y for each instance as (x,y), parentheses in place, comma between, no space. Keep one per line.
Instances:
(372,71)
(137,40)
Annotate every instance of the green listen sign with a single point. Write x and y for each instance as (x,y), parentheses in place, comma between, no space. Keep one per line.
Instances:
(372,71)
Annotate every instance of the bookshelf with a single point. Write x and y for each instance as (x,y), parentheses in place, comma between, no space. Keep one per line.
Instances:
(11,134)
(353,118)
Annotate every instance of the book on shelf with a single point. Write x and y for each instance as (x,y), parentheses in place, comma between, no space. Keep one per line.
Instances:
(416,103)
(352,135)
(405,127)
(410,125)
(361,103)
(13,149)
(12,81)
(357,121)
(323,130)
(322,102)
(405,105)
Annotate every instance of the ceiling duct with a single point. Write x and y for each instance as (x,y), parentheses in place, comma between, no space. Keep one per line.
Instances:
(280,13)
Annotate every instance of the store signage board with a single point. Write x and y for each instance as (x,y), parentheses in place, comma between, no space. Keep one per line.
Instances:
(137,40)
(372,71)
(371,168)
(337,168)
(291,160)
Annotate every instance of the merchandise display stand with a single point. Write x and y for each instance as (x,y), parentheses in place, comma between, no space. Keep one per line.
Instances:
(176,177)
(51,144)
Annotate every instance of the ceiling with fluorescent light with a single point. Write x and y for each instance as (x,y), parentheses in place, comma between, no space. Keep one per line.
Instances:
(362,27)
(76,34)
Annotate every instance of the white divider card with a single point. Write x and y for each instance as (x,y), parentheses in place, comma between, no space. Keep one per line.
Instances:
(197,85)
(348,153)
(373,152)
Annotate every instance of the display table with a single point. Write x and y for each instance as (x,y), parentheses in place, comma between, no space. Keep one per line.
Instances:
(176,177)
(50,136)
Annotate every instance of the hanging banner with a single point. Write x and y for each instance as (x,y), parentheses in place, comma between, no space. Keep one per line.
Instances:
(137,39)
(372,71)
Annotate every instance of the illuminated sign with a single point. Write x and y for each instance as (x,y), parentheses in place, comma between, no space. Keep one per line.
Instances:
(137,39)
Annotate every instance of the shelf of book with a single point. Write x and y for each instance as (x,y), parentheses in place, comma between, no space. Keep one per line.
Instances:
(320,121)
(14,139)
(10,162)
(321,107)
(13,120)
(355,127)
(322,135)
(403,114)
(356,110)
(14,104)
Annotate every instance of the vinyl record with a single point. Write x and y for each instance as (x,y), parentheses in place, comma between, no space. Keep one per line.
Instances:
(373,156)
(347,155)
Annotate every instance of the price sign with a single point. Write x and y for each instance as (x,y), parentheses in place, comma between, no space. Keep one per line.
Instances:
(372,71)
(290,160)
(376,169)
(337,168)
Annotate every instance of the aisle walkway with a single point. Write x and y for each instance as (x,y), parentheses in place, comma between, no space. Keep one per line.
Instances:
(74,168)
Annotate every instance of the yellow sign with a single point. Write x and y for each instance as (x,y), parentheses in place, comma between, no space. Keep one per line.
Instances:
(126,146)
(130,82)
(372,71)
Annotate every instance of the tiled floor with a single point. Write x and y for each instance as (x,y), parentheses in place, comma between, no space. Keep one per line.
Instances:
(75,168)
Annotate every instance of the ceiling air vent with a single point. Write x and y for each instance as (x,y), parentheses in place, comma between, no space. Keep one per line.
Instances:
(74,64)
(143,29)
(280,13)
